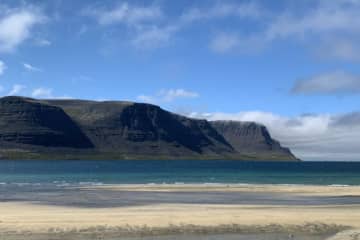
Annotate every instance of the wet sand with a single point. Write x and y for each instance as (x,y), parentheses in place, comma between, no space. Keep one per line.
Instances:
(312,190)
(111,211)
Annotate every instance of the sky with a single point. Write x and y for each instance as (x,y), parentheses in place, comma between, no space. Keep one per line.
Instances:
(290,65)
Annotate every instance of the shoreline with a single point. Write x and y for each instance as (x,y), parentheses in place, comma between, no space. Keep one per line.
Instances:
(177,218)
(170,231)
(299,189)
(40,218)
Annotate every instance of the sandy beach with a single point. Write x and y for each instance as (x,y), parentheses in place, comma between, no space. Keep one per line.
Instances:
(42,216)
(313,190)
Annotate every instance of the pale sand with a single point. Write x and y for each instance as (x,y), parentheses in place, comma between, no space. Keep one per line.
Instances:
(41,218)
(309,190)
(347,235)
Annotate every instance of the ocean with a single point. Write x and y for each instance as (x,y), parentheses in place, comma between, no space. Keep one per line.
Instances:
(65,184)
(177,172)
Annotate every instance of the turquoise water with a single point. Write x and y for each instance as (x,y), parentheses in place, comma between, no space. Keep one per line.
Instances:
(178,171)
(46,182)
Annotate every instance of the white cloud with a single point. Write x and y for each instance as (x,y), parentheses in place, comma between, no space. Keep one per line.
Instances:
(330,28)
(147,99)
(327,27)
(172,94)
(81,78)
(153,36)
(63,97)
(31,68)
(149,27)
(327,17)
(16,26)
(43,42)
(42,93)
(142,23)
(2,67)
(221,10)
(16,89)
(310,137)
(337,82)
(125,13)
(83,30)
(234,43)
(224,42)
(168,95)
(338,48)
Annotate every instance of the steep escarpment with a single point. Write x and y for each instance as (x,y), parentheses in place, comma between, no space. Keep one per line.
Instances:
(31,128)
(25,121)
(144,128)
(251,139)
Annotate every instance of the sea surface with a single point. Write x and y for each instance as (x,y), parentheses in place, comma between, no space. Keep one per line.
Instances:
(60,183)
(177,172)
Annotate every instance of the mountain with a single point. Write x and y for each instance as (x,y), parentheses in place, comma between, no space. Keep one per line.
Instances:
(80,129)
(251,139)
(28,122)
(134,127)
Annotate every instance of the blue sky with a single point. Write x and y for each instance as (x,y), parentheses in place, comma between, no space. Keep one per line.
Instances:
(291,65)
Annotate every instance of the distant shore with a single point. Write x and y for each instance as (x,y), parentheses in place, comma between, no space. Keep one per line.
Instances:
(41,218)
(54,154)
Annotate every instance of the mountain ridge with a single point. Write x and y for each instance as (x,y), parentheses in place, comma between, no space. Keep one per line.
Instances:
(75,129)
(250,138)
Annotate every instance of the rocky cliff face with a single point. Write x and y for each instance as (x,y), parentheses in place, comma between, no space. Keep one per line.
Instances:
(25,121)
(251,139)
(124,130)
(144,128)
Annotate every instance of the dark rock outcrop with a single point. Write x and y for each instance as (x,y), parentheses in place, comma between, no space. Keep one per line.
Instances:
(144,128)
(25,121)
(251,139)
(117,130)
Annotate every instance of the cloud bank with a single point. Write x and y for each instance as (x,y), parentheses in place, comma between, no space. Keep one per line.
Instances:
(16,26)
(42,93)
(31,68)
(338,83)
(2,67)
(310,137)
(16,89)
(151,27)
(167,96)
(124,13)
(329,28)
